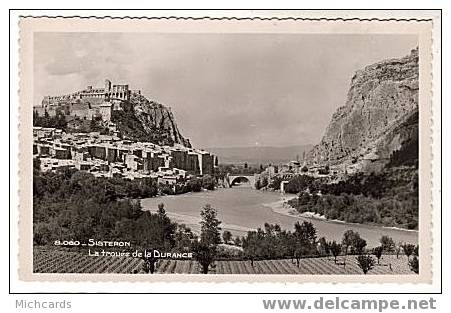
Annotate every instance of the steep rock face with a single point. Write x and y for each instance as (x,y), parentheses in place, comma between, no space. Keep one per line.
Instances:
(146,120)
(155,117)
(380,115)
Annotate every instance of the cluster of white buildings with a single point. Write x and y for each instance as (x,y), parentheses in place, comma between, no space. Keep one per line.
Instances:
(110,156)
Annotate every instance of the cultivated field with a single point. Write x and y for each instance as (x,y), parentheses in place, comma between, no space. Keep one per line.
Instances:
(50,261)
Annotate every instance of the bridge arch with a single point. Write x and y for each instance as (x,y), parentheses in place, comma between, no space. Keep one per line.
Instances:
(233,179)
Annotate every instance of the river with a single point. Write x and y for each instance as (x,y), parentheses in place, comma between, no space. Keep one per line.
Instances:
(242,208)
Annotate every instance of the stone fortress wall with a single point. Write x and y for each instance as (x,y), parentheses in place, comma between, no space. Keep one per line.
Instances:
(88,103)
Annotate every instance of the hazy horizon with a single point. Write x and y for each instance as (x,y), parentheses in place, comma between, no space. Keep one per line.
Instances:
(261,146)
(225,90)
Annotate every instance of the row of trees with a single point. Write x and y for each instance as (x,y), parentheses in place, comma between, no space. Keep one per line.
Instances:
(367,262)
(272,242)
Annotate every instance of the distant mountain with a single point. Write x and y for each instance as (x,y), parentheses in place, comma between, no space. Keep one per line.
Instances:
(259,155)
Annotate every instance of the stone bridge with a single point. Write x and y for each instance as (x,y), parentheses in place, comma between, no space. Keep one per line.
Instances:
(232,179)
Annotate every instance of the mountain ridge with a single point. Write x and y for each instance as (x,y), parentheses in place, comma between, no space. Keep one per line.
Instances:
(259,154)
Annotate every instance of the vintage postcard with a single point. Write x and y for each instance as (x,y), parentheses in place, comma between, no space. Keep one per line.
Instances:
(261,150)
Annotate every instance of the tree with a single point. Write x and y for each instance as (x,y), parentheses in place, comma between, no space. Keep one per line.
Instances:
(335,249)
(168,228)
(184,238)
(352,239)
(275,182)
(324,246)
(305,239)
(257,184)
(208,182)
(398,249)
(349,238)
(387,243)
(365,262)
(359,245)
(252,245)
(149,264)
(414,265)
(194,184)
(210,237)
(204,254)
(408,249)
(226,236)
(264,181)
(237,241)
(271,246)
(155,231)
(299,183)
(287,244)
(210,230)
(378,253)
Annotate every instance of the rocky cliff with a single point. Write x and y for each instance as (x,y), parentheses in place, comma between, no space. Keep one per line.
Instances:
(380,117)
(146,120)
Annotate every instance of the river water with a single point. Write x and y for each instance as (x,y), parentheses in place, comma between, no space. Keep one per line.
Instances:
(242,208)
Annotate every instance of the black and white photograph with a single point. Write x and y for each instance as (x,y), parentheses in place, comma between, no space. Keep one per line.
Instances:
(225,153)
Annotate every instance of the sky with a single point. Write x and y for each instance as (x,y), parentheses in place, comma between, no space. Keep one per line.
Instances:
(225,90)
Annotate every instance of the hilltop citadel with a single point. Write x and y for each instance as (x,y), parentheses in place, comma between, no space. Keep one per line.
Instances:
(90,102)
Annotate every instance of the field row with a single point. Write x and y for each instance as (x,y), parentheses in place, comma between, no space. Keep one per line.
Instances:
(48,261)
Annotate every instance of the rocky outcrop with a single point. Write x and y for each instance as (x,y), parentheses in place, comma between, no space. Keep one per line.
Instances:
(379,117)
(157,121)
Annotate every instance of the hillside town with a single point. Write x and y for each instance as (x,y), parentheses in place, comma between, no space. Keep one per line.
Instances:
(110,156)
